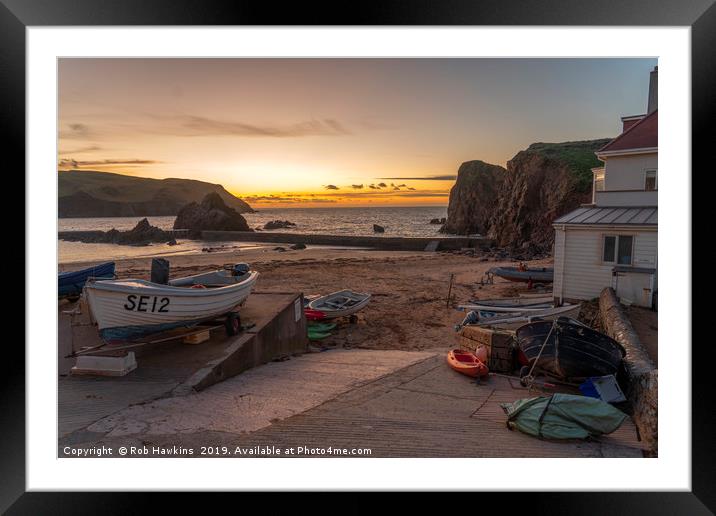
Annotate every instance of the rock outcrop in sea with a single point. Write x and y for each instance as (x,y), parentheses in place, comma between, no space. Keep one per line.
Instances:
(279,224)
(516,206)
(142,234)
(211,214)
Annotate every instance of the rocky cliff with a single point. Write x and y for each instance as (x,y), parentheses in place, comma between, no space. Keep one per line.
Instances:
(211,214)
(86,193)
(472,198)
(517,207)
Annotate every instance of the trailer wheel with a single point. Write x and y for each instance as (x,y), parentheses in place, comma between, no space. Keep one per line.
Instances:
(233,324)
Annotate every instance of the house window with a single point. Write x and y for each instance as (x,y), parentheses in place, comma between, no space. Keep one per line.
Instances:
(650,181)
(618,249)
(610,245)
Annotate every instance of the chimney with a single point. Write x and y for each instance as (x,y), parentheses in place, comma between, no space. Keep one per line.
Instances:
(653,90)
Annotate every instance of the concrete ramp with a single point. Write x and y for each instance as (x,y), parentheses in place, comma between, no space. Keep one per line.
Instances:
(174,368)
(259,397)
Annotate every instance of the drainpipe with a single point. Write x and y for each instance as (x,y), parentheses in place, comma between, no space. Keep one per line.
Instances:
(561,265)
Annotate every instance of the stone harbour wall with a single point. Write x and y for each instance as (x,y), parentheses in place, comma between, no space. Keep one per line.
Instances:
(643,375)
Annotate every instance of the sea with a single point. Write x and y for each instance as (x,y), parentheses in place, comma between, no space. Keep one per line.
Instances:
(403,221)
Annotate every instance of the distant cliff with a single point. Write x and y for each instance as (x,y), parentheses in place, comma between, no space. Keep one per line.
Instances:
(103,194)
(517,208)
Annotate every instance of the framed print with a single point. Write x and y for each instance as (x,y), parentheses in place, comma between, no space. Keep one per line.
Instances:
(302,252)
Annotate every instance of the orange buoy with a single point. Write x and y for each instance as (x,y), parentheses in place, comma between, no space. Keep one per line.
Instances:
(466,363)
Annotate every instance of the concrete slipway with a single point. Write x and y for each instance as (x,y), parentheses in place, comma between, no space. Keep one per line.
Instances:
(396,403)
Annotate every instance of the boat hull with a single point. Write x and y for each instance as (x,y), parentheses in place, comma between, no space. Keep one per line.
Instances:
(466,363)
(322,304)
(218,278)
(72,282)
(512,321)
(572,352)
(130,309)
(534,275)
(537,307)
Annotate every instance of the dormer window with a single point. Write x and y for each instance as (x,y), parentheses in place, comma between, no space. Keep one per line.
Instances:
(650,180)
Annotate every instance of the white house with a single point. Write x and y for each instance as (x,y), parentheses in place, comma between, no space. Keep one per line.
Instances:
(613,240)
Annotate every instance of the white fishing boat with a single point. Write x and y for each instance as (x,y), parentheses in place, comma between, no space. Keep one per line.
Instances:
(515,320)
(127,309)
(512,304)
(340,304)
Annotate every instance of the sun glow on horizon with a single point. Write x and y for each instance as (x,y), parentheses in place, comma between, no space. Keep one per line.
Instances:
(330,132)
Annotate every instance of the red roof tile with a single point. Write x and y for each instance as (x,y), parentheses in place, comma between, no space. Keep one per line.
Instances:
(643,134)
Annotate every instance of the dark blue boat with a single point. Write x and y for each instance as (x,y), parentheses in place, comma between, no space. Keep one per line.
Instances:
(71,283)
(573,352)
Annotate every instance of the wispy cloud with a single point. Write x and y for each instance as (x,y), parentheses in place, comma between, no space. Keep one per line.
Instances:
(382,194)
(192,125)
(69,162)
(75,131)
(448,177)
(382,185)
(81,150)
(387,194)
(331,187)
(284,199)
(356,187)
(374,124)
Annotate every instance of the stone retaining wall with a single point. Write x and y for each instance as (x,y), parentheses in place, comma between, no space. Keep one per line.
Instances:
(643,375)
(375,242)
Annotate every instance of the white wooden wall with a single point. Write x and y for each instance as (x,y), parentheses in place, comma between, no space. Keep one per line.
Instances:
(579,270)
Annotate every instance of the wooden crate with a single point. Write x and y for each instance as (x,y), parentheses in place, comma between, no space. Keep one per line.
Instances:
(197,338)
(104,365)
(499,345)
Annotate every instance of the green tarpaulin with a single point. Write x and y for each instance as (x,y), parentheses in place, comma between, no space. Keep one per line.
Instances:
(563,416)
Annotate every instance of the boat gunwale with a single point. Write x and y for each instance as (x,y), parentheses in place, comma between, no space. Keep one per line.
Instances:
(156,289)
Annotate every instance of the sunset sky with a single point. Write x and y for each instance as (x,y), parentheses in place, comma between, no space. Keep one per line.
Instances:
(333,132)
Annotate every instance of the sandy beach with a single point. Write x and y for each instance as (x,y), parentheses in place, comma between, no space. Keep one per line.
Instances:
(408,310)
(384,384)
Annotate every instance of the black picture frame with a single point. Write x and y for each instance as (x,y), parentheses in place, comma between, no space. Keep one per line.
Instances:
(700,15)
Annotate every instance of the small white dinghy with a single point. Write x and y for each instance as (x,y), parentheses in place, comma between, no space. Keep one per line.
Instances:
(340,304)
(514,304)
(128,309)
(511,321)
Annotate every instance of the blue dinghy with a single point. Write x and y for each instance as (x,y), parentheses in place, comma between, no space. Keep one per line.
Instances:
(71,283)
(525,274)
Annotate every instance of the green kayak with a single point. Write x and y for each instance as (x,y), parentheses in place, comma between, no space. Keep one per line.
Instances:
(321,327)
(317,335)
